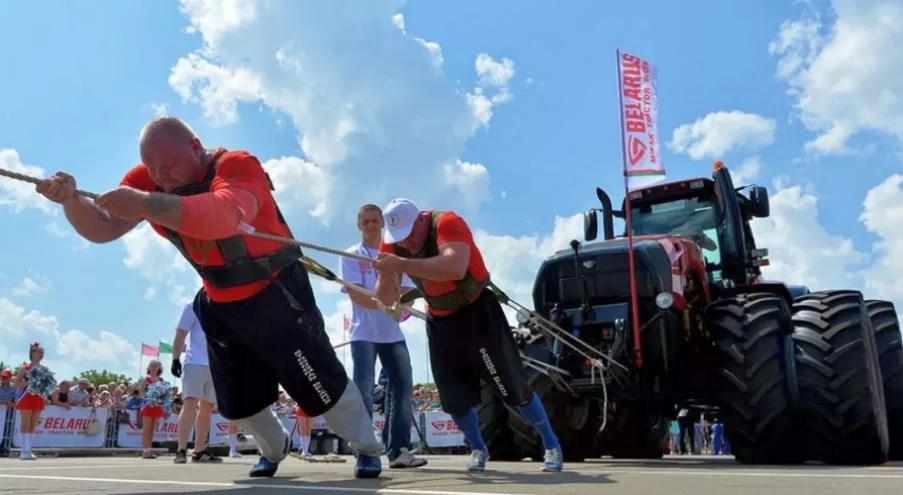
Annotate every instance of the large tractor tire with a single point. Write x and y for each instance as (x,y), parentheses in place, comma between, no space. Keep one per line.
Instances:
(756,377)
(890,352)
(636,433)
(494,425)
(511,437)
(839,376)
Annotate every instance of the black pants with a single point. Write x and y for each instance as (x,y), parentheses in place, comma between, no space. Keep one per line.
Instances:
(275,337)
(474,343)
(687,432)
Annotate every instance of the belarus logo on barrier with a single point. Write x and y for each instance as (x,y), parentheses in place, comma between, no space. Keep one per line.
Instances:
(61,427)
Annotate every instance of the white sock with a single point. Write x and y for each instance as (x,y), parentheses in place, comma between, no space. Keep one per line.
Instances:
(233,441)
(305,445)
(26,443)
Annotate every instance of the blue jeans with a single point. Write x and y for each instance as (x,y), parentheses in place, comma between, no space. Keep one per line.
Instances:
(397,362)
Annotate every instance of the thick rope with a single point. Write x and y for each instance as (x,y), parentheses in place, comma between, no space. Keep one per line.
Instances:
(551,329)
(33,180)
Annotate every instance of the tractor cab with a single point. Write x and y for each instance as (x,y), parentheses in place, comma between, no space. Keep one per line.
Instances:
(709,212)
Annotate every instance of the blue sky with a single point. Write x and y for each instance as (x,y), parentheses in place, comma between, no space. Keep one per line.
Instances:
(503,111)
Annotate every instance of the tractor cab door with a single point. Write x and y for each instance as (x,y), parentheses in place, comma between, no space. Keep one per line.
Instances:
(731,233)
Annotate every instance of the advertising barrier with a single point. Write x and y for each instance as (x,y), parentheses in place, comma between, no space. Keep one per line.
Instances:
(61,427)
(379,422)
(2,422)
(129,435)
(441,431)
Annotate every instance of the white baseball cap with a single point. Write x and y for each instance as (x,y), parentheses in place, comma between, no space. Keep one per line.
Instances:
(399,216)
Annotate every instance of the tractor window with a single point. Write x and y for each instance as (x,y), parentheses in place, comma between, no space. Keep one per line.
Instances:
(693,218)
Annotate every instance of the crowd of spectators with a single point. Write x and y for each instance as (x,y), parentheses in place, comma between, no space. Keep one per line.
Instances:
(83,393)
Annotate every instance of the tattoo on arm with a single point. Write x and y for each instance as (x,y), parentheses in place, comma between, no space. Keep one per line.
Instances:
(102,214)
(162,203)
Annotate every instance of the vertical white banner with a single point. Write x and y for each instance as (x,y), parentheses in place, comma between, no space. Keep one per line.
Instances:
(638,98)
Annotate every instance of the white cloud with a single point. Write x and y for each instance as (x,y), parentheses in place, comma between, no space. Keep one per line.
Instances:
(470,179)
(213,18)
(513,261)
(720,132)
(16,322)
(217,89)
(109,349)
(747,171)
(159,108)
(481,107)
(367,98)
(159,262)
(801,250)
(17,195)
(493,73)
(301,184)
(433,48)
(64,351)
(54,229)
(883,216)
(37,285)
(398,21)
(845,78)
(493,87)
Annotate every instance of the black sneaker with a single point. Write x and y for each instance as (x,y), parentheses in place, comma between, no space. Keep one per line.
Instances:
(181,457)
(205,457)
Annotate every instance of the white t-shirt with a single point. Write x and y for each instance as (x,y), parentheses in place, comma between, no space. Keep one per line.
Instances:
(196,343)
(370,325)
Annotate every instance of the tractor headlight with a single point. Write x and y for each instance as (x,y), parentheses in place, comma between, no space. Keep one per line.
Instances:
(664,300)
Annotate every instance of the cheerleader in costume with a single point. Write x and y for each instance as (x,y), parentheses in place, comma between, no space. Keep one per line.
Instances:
(154,406)
(34,382)
(305,425)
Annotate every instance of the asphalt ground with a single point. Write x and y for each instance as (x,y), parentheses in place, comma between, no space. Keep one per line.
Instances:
(697,475)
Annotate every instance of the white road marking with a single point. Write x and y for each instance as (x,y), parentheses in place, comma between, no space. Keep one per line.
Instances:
(751,474)
(311,488)
(65,466)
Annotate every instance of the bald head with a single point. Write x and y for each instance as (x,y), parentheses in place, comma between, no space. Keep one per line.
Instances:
(168,127)
(172,152)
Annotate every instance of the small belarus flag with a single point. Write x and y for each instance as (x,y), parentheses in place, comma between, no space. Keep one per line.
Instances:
(150,350)
(165,348)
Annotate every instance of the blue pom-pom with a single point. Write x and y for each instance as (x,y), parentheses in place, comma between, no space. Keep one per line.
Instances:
(41,381)
(159,394)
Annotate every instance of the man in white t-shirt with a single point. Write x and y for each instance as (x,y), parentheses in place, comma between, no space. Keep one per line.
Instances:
(373,333)
(199,398)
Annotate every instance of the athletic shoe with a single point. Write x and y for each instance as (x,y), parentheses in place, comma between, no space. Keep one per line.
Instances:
(552,462)
(264,468)
(478,460)
(406,460)
(148,455)
(234,454)
(25,456)
(367,466)
(32,456)
(205,457)
(181,457)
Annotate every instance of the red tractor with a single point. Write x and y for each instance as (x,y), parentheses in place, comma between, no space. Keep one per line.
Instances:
(793,375)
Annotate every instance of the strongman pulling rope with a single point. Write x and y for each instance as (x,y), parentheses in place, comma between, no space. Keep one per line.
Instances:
(257,306)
